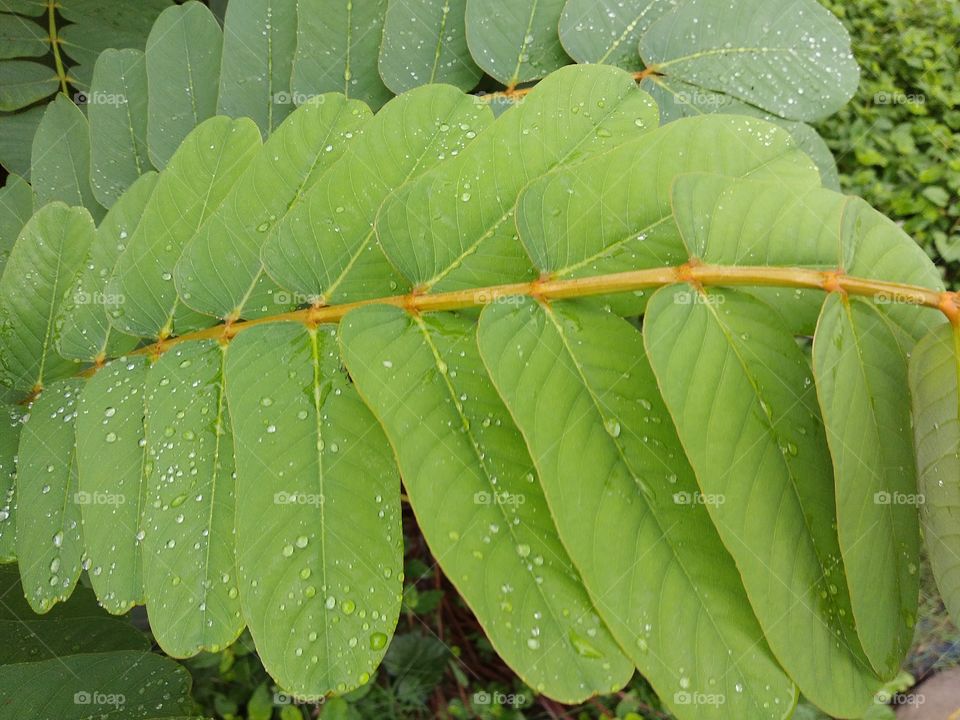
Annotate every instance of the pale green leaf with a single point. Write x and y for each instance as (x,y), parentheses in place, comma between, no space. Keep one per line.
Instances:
(48,255)
(259,40)
(319,541)
(664,583)
(60,165)
(327,246)
(934,369)
(220,271)
(97,25)
(189,560)
(83,326)
(424,41)
(742,397)
(609,31)
(473,488)
(16,207)
(454,227)
(11,421)
(183,71)
(24,82)
(22,37)
(117,110)
(49,545)
(517,41)
(788,57)
(141,296)
(338,43)
(91,685)
(860,362)
(112,488)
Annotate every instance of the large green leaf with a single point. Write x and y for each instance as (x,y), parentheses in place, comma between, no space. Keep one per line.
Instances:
(60,165)
(259,39)
(111,461)
(22,37)
(24,82)
(662,579)
(16,207)
(454,227)
(11,421)
(338,43)
(141,297)
(424,41)
(741,394)
(934,369)
(183,71)
(326,247)
(189,560)
(789,57)
(860,362)
(516,41)
(319,541)
(220,271)
(49,253)
(83,327)
(117,109)
(609,31)
(49,545)
(473,488)
(107,686)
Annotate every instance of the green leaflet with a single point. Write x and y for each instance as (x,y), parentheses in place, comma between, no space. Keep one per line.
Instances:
(338,42)
(42,266)
(424,41)
(609,31)
(16,207)
(153,686)
(141,297)
(860,361)
(663,581)
(789,58)
(60,168)
(16,139)
(49,545)
(183,51)
(259,38)
(454,227)
(517,41)
(740,392)
(112,483)
(117,109)
(189,558)
(220,271)
(83,327)
(934,368)
(96,25)
(319,541)
(77,625)
(473,488)
(24,82)
(11,421)
(613,212)
(326,247)
(22,37)
(30,8)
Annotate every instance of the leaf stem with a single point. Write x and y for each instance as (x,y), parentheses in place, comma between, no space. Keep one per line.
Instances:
(696,274)
(55,44)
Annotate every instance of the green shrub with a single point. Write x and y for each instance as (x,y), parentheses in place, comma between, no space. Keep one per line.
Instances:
(898,142)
